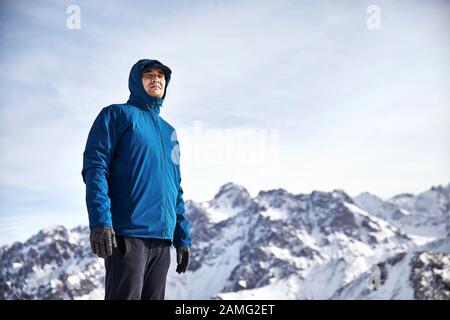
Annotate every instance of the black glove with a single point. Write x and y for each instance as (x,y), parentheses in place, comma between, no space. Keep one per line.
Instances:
(103,241)
(182,259)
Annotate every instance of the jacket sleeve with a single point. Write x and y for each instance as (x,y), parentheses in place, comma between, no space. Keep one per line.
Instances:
(182,228)
(96,160)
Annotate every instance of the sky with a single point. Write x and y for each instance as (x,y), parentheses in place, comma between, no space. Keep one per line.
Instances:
(298,95)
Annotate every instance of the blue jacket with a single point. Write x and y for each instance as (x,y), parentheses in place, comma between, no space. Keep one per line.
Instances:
(131,169)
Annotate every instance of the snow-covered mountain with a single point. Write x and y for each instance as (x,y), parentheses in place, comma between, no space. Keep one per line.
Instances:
(277,245)
(423,215)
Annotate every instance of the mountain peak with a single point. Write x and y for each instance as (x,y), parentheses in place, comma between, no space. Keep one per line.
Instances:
(272,192)
(402,197)
(367,194)
(231,188)
(231,193)
(367,200)
(440,188)
(327,196)
(229,201)
(342,195)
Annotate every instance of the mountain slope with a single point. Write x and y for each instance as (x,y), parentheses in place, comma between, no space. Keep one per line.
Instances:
(276,245)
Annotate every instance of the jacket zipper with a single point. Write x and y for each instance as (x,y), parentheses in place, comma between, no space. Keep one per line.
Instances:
(164,171)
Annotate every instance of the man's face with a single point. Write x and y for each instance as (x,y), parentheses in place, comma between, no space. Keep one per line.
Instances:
(154,82)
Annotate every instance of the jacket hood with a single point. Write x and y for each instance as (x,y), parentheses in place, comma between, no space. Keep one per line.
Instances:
(138,95)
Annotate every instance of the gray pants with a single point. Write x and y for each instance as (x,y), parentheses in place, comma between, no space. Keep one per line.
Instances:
(137,270)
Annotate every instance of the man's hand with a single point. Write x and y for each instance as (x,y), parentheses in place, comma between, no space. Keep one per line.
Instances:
(182,259)
(103,241)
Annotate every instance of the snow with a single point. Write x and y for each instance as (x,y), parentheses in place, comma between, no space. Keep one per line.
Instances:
(285,254)
(218,213)
(385,230)
(212,277)
(96,294)
(274,214)
(74,238)
(396,286)
(280,290)
(336,264)
(421,240)
(343,246)
(444,274)
(404,201)
(308,239)
(419,215)
(370,203)
(323,280)
(405,212)
(221,207)
(74,281)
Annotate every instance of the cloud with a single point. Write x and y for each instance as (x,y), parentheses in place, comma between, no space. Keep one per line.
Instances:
(356,109)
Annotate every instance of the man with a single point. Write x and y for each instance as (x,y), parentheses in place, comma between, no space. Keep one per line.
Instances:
(133,189)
